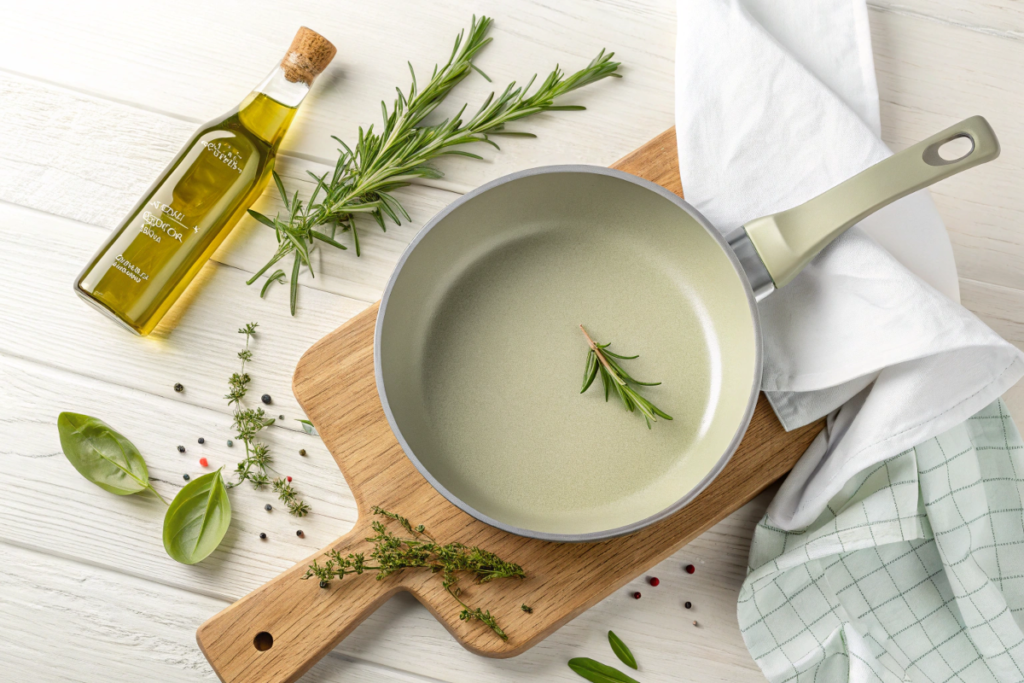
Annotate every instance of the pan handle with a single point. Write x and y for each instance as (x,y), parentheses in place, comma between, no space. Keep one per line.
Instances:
(787,241)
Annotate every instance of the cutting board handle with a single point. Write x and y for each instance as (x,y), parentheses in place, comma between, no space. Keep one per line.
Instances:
(277,632)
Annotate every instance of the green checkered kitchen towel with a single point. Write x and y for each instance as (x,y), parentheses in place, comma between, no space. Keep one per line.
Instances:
(915,572)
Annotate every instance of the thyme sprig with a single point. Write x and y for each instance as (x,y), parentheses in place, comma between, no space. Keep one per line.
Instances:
(392,554)
(366,174)
(249,422)
(600,359)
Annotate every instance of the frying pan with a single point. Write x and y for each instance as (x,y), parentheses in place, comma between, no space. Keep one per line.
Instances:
(479,356)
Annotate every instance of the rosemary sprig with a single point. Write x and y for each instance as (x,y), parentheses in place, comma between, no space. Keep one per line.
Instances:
(602,360)
(248,423)
(366,174)
(393,554)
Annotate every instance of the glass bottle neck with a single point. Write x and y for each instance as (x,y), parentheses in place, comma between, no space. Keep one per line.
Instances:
(269,109)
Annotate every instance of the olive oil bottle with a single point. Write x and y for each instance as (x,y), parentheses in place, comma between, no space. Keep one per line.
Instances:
(176,226)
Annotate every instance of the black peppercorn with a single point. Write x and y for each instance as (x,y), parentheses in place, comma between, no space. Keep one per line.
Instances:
(185,477)
(268,507)
(299,533)
(263,536)
(230,443)
(324,584)
(280,417)
(265,398)
(178,387)
(302,451)
(687,604)
(202,440)
(181,449)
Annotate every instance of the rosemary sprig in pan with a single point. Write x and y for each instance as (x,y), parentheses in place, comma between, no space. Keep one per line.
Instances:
(401,150)
(393,554)
(601,360)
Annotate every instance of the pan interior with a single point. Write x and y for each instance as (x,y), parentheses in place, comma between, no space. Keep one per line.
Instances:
(482,358)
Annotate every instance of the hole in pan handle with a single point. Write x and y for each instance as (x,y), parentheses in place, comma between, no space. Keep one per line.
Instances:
(787,241)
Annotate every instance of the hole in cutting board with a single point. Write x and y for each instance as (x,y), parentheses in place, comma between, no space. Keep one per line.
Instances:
(956,149)
(263,641)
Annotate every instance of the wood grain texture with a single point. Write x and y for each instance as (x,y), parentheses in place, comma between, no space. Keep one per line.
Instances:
(94,128)
(49,508)
(45,595)
(334,382)
(97,179)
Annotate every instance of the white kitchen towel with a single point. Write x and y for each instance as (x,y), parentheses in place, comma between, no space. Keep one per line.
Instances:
(893,551)
(764,122)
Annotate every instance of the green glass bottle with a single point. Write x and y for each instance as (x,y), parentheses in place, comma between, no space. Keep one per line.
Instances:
(180,221)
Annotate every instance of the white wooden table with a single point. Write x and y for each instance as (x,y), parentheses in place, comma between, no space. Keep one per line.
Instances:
(96,97)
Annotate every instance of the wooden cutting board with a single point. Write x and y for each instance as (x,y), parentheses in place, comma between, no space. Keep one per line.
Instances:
(334,382)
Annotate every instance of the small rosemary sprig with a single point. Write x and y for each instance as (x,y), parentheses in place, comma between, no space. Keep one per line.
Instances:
(392,554)
(601,360)
(248,423)
(366,174)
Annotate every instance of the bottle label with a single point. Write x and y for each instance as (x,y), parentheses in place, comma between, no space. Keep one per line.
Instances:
(176,224)
(224,153)
(130,269)
(159,220)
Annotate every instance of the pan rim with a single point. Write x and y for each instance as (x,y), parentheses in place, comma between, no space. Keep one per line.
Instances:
(592,535)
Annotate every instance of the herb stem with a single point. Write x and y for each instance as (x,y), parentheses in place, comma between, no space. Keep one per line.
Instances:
(601,360)
(402,151)
(394,554)
(255,467)
(157,494)
(600,356)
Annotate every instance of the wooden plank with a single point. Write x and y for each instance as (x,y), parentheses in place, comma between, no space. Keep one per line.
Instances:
(74,338)
(119,627)
(45,322)
(995,18)
(924,82)
(125,532)
(198,69)
(931,74)
(935,57)
(1002,309)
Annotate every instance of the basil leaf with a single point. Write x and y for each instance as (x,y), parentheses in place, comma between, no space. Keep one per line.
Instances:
(197,519)
(102,455)
(621,651)
(308,427)
(596,672)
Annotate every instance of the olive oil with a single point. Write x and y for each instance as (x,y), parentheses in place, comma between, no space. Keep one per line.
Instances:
(176,226)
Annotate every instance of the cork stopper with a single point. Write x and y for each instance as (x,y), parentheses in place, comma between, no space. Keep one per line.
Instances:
(308,56)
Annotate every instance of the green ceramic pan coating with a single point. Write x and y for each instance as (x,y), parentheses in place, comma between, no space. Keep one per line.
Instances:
(479,357)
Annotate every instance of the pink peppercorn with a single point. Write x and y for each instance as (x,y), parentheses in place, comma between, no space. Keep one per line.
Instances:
(653,581)
(204,462)
(636,596)
(289,479)
(689,569)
